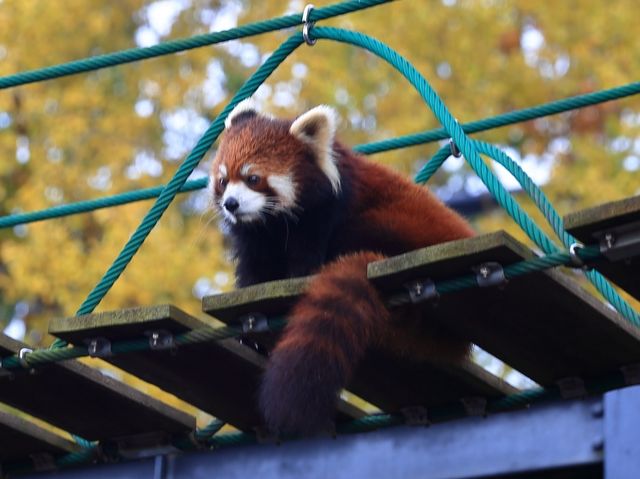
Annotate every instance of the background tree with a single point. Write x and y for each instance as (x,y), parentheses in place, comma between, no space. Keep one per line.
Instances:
(128,127)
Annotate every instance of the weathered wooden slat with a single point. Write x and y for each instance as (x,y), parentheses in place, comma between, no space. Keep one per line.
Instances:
(387,381)
(219,377)
(543,324)
(21,438)
(81,400)
(618,219)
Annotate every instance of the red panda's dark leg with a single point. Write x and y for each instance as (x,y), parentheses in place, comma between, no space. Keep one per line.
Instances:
(328,331)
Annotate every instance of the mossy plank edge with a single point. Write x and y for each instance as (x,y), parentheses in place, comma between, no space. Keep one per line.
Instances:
(273,290)
(583,224)
(34,395)
(390,270)
(25,431)
(64,327)
(220,305)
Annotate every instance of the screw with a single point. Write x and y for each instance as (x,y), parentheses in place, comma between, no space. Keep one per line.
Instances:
(609,240)
(484,272)
(251,322)
(93,347)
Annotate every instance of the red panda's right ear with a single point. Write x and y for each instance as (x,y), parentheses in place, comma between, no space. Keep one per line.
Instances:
(243,110)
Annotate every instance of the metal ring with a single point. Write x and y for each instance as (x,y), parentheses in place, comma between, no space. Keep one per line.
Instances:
(455,151)
(575,259)
(308,25)
(22,357)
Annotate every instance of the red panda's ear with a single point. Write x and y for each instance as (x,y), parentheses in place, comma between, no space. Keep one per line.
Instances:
(245,109)
(317,128)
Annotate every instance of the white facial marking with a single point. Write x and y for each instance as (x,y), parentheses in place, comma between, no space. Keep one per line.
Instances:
(223,171)
(285,187)
(250,202)
(244,171)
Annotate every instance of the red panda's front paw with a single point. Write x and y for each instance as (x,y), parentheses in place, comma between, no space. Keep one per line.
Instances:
(299,392)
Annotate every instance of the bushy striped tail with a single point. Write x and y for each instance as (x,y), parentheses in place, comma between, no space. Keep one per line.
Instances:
(327,334)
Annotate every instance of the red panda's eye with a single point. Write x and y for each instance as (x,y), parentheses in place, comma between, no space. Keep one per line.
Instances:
(222,182)
(253,179)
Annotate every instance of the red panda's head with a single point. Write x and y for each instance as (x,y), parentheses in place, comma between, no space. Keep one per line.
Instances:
(264,164)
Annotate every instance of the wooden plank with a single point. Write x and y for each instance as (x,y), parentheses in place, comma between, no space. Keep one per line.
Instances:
(542,324)
(21,438)
(271,299)
(387,381)
(219,377)
(81,400)
(618,218)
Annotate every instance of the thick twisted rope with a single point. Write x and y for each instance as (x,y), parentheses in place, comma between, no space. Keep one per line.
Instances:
(171,189)
(469,149)
(530,228)
(367,149)
(138,54)
(510,118)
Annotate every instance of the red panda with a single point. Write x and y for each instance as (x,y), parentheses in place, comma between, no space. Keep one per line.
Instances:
(295,202)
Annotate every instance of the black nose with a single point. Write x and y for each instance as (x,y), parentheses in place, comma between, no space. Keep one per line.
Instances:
(231,204)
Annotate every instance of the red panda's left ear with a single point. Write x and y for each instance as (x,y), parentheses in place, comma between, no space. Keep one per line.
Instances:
(317,128)
(245,108)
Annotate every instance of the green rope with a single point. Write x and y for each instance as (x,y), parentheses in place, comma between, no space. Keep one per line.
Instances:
(449,411)
(40,357)
(372,422)
(92,205)
(505,119)
(175,184)
(553,218)
(368,149)
(137,54)
(208,431)
(533,231)
(178,183)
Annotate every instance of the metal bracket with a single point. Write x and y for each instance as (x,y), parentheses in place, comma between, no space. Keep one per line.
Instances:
(422,290)
(43,461)
(489,274)
(621,243)
(475,406)
(254,323)
(160,339)
(308,25)
(416,416)
(572,387)
(631,374)
(99,347)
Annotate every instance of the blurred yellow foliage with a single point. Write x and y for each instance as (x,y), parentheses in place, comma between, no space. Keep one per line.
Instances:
(124,128)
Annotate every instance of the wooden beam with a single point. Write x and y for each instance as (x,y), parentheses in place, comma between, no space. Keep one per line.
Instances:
(621,221)
(219,377)
(82,400)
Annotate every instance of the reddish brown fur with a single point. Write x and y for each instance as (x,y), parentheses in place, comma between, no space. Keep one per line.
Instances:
(327,334)
(378,213)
